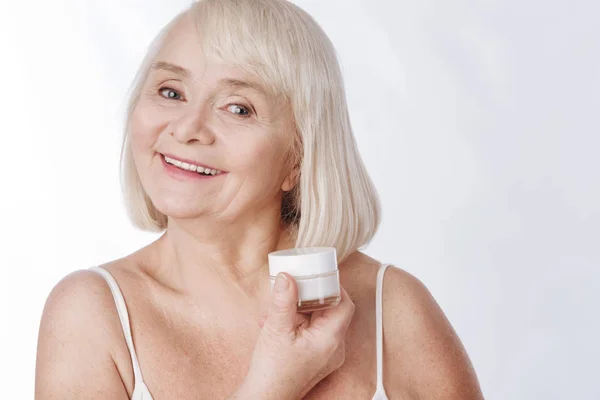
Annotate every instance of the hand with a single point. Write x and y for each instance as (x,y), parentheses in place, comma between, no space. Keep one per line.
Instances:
(294,351)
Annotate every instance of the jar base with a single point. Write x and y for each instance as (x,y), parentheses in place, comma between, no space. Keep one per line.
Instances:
(318,304)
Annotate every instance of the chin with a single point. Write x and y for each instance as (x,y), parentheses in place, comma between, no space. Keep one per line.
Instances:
(176,208)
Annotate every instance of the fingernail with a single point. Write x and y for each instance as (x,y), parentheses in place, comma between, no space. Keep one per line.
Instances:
(281,283)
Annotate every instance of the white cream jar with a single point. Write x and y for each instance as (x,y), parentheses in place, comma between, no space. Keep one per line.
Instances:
(315,270)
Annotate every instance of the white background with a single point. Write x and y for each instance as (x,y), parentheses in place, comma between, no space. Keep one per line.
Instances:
(478,121)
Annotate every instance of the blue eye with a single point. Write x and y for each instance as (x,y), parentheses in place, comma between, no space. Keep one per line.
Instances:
(172,94)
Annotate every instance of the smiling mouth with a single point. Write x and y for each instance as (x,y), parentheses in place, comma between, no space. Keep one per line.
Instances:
(205,171)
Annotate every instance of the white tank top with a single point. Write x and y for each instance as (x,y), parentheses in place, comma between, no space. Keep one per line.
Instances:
(141,392)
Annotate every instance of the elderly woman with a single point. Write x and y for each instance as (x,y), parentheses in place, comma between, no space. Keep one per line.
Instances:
(238,143)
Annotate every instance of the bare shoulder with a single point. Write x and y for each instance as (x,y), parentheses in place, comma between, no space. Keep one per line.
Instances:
(78,336)
(423,355)
(421,347)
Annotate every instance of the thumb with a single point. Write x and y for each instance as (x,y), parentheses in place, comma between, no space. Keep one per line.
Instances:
(284,303)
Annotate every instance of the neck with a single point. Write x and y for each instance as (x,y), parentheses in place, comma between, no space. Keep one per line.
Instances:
(212,260)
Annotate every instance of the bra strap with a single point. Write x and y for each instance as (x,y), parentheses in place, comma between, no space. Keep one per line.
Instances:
(124,318)
(379,322)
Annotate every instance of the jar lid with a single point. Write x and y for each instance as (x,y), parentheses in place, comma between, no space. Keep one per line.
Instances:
(302,261)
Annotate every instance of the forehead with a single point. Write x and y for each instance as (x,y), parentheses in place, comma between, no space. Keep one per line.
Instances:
(182,48)
(182,35)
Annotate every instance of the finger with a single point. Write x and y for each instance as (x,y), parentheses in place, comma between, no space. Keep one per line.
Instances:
(335,319)
(302,320)
(284,304)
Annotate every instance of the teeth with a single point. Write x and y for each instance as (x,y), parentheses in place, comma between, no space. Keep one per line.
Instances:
(192,167)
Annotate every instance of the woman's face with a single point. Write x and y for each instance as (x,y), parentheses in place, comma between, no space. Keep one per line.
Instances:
(211,115)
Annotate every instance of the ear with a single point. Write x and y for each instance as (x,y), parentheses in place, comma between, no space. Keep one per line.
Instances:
(291,180)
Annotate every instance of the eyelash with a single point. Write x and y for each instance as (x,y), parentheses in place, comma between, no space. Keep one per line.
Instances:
(248,109)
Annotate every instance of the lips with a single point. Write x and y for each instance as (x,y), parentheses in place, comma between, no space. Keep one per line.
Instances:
(184,175)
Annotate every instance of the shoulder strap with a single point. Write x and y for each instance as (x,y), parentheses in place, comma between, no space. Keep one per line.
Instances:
(124,317)
(379,321)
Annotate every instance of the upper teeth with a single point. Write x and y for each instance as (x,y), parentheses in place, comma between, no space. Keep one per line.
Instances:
(192,167)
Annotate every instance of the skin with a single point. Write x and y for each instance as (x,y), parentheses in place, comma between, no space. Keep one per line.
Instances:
(196,295)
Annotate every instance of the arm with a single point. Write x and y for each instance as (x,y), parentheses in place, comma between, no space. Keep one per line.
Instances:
(423,356)
(74,358)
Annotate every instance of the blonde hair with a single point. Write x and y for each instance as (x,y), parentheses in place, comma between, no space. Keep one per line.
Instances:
(334,202)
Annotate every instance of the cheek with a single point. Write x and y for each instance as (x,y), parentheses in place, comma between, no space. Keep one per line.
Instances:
(144,127)
(257,155)
(261,165)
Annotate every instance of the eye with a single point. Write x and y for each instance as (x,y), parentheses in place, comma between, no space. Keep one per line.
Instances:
(239,110)
(171,93)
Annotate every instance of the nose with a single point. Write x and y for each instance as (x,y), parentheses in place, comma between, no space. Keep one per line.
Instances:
(193,126)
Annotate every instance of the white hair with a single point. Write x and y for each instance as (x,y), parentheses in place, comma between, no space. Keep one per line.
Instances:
(334,202)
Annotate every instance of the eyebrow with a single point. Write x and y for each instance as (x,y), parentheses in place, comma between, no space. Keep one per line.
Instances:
(171,68)
(225,82)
